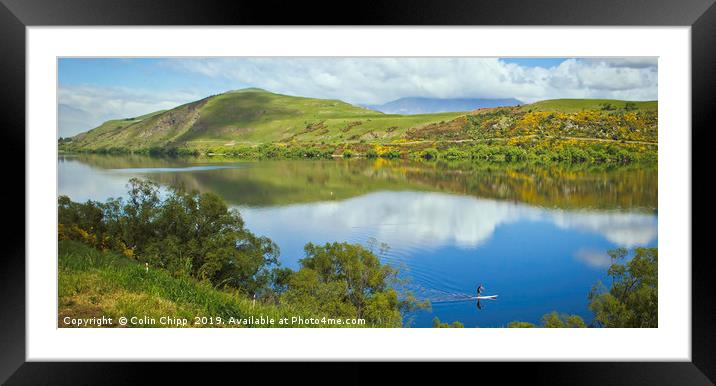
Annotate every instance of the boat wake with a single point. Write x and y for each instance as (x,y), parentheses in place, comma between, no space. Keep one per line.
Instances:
(436,296)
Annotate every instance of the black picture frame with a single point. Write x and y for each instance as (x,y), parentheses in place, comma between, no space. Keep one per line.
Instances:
(16,15)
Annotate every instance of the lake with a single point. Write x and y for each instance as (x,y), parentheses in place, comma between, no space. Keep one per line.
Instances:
(536,236)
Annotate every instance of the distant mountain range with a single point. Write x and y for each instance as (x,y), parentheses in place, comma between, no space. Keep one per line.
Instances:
(419,105)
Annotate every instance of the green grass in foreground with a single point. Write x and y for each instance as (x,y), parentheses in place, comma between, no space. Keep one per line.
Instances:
(93,284)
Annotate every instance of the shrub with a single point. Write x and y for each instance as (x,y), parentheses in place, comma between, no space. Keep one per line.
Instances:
(391,154)
(429,154)
(455,154)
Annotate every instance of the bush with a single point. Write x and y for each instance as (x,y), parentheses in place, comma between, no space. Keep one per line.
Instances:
(429,154)
(629,106)
(455,154)
(371,153)
(269,151)
(514,153)
(518,324)
(391,154)
(438,324)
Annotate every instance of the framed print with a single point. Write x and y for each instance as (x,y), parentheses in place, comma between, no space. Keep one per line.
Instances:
(474,183)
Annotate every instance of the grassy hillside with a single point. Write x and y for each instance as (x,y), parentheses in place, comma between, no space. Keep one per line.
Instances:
(111,128)
(575,105)
(93,284)
(237,121)
(251,116)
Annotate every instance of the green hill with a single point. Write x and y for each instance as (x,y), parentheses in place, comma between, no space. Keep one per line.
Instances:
(248,117)
(251,116)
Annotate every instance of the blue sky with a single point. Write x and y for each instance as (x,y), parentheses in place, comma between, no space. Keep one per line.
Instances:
(93,90)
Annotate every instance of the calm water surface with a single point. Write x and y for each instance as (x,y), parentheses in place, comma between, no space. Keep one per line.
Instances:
(537,237)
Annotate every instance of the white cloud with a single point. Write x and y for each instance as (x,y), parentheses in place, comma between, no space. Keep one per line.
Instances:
(379,80)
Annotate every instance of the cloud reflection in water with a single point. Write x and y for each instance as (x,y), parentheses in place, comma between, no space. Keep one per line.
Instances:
(434,220)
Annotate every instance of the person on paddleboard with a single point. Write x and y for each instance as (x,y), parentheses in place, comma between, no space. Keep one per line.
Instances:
(479,289)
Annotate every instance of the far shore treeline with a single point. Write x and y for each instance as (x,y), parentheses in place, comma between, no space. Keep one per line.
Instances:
(185,254)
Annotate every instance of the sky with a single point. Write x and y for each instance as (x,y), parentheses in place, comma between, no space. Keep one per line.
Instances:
(94,90)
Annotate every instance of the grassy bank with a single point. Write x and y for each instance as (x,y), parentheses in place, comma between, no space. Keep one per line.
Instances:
(93,284)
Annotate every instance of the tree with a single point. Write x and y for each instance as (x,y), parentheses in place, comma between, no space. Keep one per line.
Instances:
(342,279)
(629,106)
(632,299)
(438,324)
(279,280)
(552,320)
(518,324)
(139,211)
(556,320)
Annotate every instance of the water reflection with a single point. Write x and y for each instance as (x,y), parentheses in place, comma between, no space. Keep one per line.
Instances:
(593,257)
(536,236)
(270,183)
(435,220)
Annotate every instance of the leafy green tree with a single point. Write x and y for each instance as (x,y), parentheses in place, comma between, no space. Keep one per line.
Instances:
(342,279)
(552,320)
(518,324)
(136,222)
(308,291)
(555,320)
(629,106)
(632,300)
(279,281)
(438,324)
(607,107)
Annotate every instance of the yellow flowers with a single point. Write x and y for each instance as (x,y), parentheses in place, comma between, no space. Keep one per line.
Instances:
(106,243)
(380,149)
(61,233)
(129,252)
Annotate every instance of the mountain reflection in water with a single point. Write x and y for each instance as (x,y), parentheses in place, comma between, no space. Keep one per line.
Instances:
(537,236)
